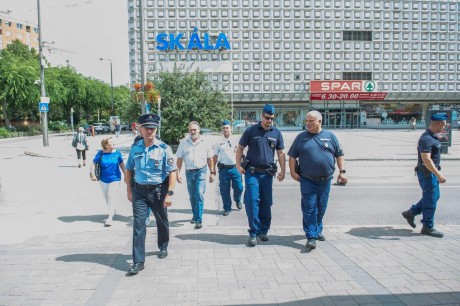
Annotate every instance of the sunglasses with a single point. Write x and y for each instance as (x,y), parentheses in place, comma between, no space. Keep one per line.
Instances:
(269,118)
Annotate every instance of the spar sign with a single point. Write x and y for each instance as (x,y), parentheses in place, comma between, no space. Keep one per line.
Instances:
(345,90)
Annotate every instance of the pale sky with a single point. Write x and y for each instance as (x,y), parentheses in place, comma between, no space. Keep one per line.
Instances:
(83,32)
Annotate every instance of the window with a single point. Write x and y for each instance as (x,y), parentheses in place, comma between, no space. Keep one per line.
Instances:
(357,35)
(357,76)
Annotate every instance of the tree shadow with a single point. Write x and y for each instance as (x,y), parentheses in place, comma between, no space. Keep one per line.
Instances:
(384,233)
(189,211)
(287,241)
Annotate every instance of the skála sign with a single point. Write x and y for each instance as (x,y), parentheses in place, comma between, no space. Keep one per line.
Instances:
(172,41)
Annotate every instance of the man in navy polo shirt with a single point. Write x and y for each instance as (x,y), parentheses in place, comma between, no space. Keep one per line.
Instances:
(429,176)
(317,151)
(259,169)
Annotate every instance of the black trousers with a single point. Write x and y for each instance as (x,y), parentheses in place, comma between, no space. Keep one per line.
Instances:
(142,200)
(80,154)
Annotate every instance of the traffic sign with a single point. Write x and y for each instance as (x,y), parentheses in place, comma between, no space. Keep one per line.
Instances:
(43,107)
(44,99)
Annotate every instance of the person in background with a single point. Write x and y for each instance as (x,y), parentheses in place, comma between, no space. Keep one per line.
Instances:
(229,177)
(80,144)
(153,166)
(429,176)
(259,168)
(112,165)
(195,152)
(117,128)
(317,151)
(412,124)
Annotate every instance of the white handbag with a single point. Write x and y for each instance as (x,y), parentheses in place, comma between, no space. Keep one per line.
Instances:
(81,147)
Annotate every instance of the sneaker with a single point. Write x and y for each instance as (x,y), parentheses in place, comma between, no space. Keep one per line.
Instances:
(239,205)
(252,242)
(148,220)
(409,217)
(311,244)
(226,213)
(163,254)
(431,232)
(321,237)
(79,166)
(263,237)
(198,225)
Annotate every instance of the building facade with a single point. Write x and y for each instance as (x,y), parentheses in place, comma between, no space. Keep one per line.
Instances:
(410,48)
(12,29)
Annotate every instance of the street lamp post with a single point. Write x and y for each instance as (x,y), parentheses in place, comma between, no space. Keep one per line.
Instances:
(42,78)
(111,79)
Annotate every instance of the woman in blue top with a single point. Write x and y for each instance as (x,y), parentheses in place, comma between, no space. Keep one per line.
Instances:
(111,162)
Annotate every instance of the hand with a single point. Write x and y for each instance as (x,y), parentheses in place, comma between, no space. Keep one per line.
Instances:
(342,179)
(295,176)
(280,176)
(240,170)
(130,195)
(179,178)
(441,179)
(167,202)
(92,176)
(211,178)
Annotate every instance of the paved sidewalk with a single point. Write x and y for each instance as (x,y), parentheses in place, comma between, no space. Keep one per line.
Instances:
(54,249)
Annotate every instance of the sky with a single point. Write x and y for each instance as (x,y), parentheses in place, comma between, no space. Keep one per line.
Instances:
(82,31)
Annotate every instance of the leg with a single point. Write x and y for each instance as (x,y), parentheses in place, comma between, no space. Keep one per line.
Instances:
(83,153)
(251,199)
(322,204)
(200,189)
(79,158)
(161,218)
(224,186)
(140,204)
(105,192)
(309,208)
(191,193)
(266,201)
(430,187)
(237,185)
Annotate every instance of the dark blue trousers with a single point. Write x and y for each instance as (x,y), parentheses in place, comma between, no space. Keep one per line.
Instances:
(430,196)
(230,178)
(258,200)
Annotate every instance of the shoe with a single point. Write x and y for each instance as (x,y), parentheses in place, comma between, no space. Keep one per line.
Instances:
(311,244)
(148,220)
(107,225)
(136,267)
(409,217)
(431,232)
(84,164)
(198,225)
(321,237)
(226,213)
(79,166)
(239,205)
(192,221)
(163,254)
(252,242)
(263,237)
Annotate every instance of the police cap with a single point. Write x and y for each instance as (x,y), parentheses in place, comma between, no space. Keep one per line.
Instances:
(149,121)
(439,117)
(225,122)
(269,109)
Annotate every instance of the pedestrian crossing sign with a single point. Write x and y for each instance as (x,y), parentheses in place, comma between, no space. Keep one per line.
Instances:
(43,107)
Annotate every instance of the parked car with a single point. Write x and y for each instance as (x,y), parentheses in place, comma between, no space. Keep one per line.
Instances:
(124,126)
(101,128)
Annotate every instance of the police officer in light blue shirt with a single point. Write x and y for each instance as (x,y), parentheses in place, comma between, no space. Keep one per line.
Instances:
(229,177)
(154,168)
(259,168)
(429,176)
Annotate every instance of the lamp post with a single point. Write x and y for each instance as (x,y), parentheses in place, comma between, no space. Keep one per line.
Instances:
(42,79)
(111,79)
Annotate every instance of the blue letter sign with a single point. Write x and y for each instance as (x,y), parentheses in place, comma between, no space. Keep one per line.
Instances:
(171,42)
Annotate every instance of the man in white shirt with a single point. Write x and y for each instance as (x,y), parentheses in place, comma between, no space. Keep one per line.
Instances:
(225,159)
(195,152)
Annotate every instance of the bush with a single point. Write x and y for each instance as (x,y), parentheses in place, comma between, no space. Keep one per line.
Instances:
(4,133)
(29,130)
(58,126)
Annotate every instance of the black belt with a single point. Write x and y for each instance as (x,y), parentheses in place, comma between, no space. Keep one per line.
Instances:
(226,166)
(140,186)
(317,178)
(194,170)
(257,170)
(423,165)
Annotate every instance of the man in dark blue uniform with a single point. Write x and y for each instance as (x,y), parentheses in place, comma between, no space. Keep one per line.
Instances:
(317,151)
(259,168)
(429,176)
(152,162)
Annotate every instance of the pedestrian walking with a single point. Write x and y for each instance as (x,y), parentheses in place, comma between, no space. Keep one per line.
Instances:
(152,166)
(412,124)
(79,142)
(317,151)
(111,165)
(117,128)
(195,152)
(429,176)
(229,177)
(259,168)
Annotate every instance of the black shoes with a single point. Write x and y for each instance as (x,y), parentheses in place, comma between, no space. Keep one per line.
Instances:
(409,217)
(192,221)
(136,267)
(321,237)
(198,225)
(252,242)
(163,254)
(226,213)
(311,244)
(239,205)
(431,232)
(263,237)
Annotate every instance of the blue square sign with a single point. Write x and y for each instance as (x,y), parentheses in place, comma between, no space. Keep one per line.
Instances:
(43,107)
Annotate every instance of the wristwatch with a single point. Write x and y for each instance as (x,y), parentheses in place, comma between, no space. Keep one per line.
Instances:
(343,171)
(170,192)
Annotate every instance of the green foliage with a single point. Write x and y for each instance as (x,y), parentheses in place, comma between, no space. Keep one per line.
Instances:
(4,133)
(58,126)
(29,130)
(189,97)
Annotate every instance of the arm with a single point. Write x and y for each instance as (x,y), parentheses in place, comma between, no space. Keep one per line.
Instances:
(239,154)
(214,160)
(429,164)
(91,172)
(282,161)
(128,177)
(211,169)
(342,179)
(292,164)
(179,166)
(122,168)
(171,184)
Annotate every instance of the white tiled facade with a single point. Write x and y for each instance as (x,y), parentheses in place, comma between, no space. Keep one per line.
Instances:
(278,46)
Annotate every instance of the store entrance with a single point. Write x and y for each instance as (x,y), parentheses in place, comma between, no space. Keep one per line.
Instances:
(341,118)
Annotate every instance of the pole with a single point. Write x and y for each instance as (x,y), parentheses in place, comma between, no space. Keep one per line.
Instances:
(111,85)
(71,119)
(159,114)
(42,79)
(231,91)
(141,45)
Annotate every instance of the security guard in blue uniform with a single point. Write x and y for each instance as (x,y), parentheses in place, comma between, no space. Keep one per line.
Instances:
(429,176)
(259,168)
(154,167)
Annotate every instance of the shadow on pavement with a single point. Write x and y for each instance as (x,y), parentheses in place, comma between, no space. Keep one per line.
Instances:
(385,233)
(111,260)
(94,218)
(189,211)
(287,241)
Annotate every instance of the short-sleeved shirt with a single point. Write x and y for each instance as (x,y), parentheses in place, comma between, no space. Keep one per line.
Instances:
(194,154)
(225,149)
(316,153)
(153,164)
(428,143)
(261,145)
(110,170)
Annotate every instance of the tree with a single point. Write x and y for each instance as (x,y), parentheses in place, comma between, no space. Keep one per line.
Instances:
(189,97)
